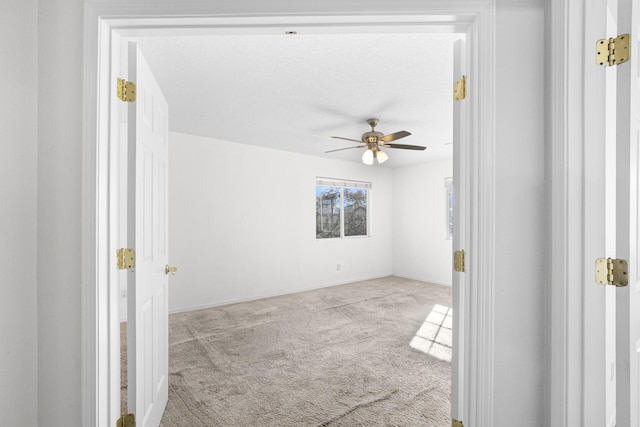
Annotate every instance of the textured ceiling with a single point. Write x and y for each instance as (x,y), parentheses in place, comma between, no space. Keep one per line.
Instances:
(293,92)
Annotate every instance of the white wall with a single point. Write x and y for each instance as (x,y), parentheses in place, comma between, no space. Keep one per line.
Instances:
(242,223)
(520,220)
(60,212)
(18,148)
(520,257)
(420,249)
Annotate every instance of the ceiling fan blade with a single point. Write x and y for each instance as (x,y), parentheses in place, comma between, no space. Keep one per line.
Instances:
(394,136)
(348,148)
(405,146)
(348,139)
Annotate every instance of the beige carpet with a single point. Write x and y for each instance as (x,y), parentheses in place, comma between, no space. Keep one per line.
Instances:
(371,353)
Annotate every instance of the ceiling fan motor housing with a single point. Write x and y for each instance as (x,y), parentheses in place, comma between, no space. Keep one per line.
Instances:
(371,137)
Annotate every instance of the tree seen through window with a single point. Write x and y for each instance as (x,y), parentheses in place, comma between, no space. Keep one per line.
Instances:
(355,212)
(341,211)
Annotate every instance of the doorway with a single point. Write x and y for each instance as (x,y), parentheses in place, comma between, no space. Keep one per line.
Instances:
(244,177)
(123,28)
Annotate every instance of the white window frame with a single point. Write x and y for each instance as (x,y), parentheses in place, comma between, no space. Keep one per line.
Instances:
(342,184)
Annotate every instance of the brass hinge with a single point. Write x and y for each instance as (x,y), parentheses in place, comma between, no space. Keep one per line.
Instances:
(126,90)
(612,272)
(126,259)
(458,260)
(456,423)
(613,51)
(126,420)
(460,89)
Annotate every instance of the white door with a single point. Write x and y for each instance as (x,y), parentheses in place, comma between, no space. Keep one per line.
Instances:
(458,360)
(628,233)
(147,334)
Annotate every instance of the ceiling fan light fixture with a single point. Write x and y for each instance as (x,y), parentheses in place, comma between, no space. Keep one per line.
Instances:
(373,140)
(382,156)
(367,157)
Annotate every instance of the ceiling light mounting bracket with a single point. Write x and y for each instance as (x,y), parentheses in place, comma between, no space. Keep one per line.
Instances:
(373,123)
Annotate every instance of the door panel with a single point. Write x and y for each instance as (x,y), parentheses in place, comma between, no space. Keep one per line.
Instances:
(147,338)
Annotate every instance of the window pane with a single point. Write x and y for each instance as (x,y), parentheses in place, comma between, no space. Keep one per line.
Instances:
(327,212)
(355,212)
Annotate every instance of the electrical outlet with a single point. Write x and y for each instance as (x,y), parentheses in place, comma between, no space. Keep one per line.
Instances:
(123,294)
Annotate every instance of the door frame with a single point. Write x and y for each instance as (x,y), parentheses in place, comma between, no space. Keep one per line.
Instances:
(576,314)
(105,23)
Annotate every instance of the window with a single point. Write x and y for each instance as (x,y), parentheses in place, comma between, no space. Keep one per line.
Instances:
(341,208)
(448,186)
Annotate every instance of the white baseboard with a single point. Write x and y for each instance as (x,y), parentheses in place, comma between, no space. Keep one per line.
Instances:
(287,292)
(422,279)
(123,310)
(269,295)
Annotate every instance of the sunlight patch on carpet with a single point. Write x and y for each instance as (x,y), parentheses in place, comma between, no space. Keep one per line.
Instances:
(435,334)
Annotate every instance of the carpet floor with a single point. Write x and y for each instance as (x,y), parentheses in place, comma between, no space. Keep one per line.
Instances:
(370,353)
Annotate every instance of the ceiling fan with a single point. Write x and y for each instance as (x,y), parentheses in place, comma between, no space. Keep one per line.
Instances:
(373,141)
